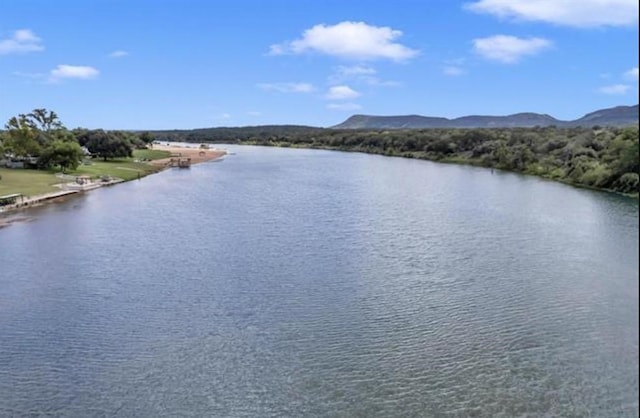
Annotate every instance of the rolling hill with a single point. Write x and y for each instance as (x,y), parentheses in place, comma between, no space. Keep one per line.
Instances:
(615,116)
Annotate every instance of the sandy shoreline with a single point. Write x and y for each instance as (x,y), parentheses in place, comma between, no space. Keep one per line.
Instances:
(196,156)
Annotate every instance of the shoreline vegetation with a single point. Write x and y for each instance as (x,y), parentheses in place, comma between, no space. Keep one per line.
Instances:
(45,161)
(39,187)
(598,158)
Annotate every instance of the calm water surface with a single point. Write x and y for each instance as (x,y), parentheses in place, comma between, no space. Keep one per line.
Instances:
(313,283)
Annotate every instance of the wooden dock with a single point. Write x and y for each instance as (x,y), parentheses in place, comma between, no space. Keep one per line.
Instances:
(180,162)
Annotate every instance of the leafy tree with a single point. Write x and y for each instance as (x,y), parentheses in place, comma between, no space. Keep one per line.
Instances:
(30,133)
(630,152)
(22,137)
(146,137)
(44,120)
(108,145)
(64,154)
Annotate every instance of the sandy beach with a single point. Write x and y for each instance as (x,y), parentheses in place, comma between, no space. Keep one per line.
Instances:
(196,154)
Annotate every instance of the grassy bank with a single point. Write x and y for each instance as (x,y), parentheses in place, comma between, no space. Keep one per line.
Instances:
(35,182)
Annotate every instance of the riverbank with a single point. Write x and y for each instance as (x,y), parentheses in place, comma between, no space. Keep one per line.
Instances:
(601,158)
(195,156)
(535,170)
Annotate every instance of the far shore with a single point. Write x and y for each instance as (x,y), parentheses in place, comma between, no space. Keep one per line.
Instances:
(194,154)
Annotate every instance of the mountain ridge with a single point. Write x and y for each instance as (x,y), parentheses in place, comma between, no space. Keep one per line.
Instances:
(613,116)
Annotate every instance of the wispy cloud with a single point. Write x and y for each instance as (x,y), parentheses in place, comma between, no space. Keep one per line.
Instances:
(22,41)
(118,54)
(583,13)
(453,71)
(28,75)
(287,87)
(341,93)
(509,49)
(355,70)
(632,74)
(349,40)
(359,74)
(81,72)
(344,106)
(615,89)
(254,113)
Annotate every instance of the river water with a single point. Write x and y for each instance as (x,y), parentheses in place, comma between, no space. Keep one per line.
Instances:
(299,283)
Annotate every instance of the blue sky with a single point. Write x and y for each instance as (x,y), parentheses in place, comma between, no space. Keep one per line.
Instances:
(160,64)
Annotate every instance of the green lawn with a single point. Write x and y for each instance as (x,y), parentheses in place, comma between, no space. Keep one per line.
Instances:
(27,182)
(33,182)
(125,169)
(150,154)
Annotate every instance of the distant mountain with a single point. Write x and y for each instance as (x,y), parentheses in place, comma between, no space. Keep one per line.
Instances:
(392,122)
(615,116)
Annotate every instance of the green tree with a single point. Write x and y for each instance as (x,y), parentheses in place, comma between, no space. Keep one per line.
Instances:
(22,137)
(44,120)
(108,145)
(30,133)
(65,154)
(147,137)
(629,152)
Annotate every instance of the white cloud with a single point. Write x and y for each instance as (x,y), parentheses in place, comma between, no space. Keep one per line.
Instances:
(254,113)
(375,81)
(350,40)
(582,13)
(118,54)
(344,106)
(615,89)
(341,93)
(360,74)
(288,87)
(224,116)
(73,71)
(355,70)
(28,75)
(632,74)
(509,49)
(22,41)
(452,70)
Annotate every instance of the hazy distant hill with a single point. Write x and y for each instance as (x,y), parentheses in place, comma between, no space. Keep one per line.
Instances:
(615,116)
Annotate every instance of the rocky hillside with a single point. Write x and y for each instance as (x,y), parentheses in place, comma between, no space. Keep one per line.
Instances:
(615,116)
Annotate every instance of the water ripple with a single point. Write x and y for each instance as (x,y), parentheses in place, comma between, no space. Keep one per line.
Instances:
(270,286)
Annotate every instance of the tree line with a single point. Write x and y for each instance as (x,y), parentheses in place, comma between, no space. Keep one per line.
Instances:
(597,157)
(41,140)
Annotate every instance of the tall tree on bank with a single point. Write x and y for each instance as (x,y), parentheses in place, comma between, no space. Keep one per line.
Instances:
(21,137)
(107,145)
(45,120)
(29,134)
(65,154)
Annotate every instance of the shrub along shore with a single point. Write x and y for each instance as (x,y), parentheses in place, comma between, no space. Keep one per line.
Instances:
(602,158)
